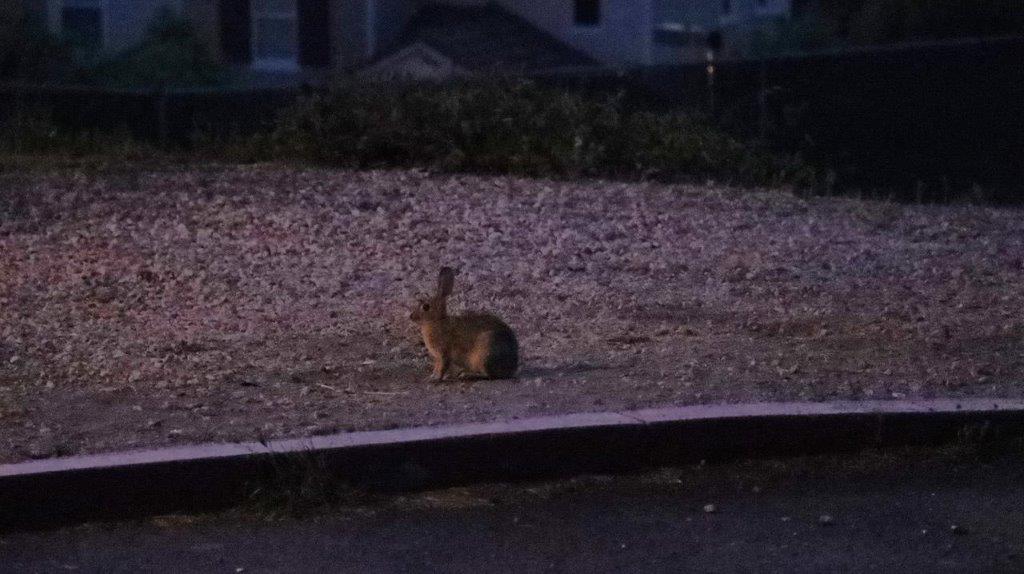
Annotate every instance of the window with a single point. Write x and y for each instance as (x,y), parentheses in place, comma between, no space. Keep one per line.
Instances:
(587,12)
(82,23)
(275,34)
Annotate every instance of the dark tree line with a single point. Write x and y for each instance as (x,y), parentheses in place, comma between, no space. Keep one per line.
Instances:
(865,22)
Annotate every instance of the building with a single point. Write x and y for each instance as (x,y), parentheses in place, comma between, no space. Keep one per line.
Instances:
(651,32)
(294,35)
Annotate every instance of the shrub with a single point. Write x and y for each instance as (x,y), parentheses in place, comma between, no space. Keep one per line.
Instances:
(32,131)
(519,127)
(807,32)
(171,55)
(27,51)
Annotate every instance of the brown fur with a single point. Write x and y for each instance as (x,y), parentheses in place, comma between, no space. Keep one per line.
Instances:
(477,344)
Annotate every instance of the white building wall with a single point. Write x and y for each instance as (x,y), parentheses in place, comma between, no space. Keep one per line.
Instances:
(700,12)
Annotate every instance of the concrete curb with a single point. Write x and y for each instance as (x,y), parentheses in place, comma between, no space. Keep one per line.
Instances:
(209,477)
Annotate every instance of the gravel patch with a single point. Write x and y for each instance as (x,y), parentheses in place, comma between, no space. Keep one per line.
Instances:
(155,307)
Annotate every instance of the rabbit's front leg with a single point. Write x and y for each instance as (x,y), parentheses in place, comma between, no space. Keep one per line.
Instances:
(441,365)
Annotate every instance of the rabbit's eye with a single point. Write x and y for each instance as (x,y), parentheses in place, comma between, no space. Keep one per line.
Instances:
(426,306)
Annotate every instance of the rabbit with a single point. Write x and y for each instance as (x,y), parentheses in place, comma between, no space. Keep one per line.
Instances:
(479,344)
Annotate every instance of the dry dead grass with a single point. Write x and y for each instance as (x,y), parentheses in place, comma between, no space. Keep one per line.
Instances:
(143,308)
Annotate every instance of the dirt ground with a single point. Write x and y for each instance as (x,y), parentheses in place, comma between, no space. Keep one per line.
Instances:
(167,306)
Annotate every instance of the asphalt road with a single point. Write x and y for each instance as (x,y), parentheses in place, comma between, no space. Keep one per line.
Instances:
(912,511)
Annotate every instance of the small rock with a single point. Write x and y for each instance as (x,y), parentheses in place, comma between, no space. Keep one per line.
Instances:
(710,508)
(825,520)
(14,360)
(958,530)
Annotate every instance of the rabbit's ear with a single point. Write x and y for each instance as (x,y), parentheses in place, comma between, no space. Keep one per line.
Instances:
(445,282)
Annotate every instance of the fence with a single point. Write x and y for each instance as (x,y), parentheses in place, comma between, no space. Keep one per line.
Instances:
(167,116)
(930,120)
(927,119)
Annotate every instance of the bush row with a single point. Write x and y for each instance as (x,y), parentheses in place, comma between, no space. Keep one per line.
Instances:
(503,126)
(518,127)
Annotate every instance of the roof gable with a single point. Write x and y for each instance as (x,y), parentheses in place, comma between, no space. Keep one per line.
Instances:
(414,62)
(482,38)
